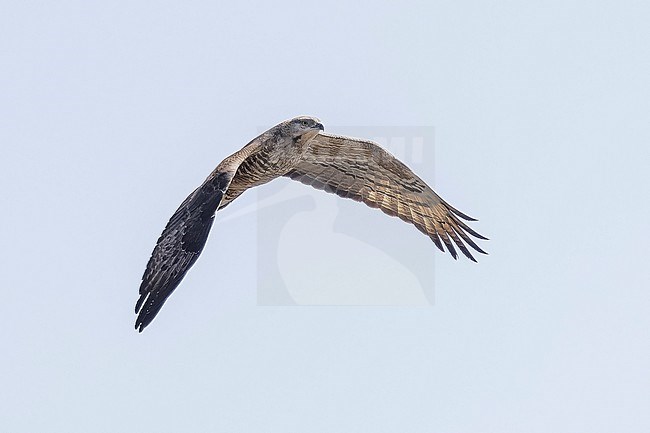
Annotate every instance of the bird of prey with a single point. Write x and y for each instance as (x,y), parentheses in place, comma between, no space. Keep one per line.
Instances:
(299,149)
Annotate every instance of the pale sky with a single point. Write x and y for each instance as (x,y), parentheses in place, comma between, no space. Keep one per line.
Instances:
(112,112)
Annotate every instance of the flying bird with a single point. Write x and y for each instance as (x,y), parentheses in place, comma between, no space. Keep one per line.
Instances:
(299,149)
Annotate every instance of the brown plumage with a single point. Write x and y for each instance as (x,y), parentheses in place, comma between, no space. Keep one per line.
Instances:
(348,167)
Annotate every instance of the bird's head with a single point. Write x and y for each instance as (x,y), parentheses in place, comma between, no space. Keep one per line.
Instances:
(304,128)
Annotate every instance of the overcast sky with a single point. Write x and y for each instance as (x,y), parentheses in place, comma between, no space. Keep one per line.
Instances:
(112,112)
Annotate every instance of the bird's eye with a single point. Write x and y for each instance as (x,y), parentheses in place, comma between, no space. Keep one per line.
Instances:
(304,123)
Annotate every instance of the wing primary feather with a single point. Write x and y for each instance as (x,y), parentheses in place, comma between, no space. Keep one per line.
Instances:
(450,246)
(460,244)
(457,212)
(466,238)
(469,230)
(436,240)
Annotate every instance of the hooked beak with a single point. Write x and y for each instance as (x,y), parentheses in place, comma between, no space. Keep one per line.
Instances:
(320,126)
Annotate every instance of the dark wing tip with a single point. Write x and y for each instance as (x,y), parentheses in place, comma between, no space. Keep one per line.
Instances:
(460,214)
(178,248)
(467,254)
(143,321)
(479,236)
(139,326)
(452,250)
(151,308)
(436,240)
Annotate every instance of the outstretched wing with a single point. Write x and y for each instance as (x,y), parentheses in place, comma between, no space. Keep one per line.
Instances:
(363,171)
(179,246)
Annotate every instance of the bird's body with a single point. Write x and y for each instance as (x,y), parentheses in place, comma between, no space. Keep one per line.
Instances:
(296,148)
(270,155)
